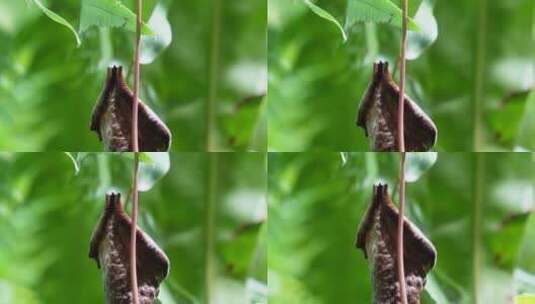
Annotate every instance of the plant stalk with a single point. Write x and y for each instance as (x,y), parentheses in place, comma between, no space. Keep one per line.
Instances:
(480,74)
(210,119)
(135,107)
(209,230)
(402,68)
(477,218)
(400,249)
(401,141)
(133,246)
(135,148)
(478,145)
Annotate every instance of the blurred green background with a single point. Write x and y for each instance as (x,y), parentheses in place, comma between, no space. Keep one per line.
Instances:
(316,81)
(472,206)
(48,212)
(48,85)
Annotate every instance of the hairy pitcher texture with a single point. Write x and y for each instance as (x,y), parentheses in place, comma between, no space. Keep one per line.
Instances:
(378,116)
(112,118)
(109,247)
(377,238)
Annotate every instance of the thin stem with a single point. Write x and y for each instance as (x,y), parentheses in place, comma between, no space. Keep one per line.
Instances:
(402,62)
(135,139)
(480,74)
(476,229)
(401,141)
(209,232)
(478,141)
(133,246)
(213,76)
(400,250)
(135,148)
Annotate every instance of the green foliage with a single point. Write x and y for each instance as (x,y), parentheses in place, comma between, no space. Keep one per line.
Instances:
(57,18)
(316,82)
(251,114)
(47,215)
(524,277)
(325,15)
(153,169)
(526,129)
(314,215)
(414,5)
(512,120)
(154,45)
(108,13)
(508,69)
(428,34)
(74,162)
(239,254)
(506,242)
(525,299)
(381,11)
(417,163)
(507,118)
(48,87)
(16,294)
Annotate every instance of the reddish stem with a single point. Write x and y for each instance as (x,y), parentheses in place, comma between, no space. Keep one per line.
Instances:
(401,100)
(135,148)
(133,246)
(401,141)
(400,250)
(135,139)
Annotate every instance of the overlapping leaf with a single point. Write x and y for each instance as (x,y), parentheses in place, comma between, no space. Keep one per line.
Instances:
(57,18)
(108,13)
(380,11)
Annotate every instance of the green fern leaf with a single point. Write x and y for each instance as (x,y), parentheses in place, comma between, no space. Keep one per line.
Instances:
(379,11)
(109,13)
